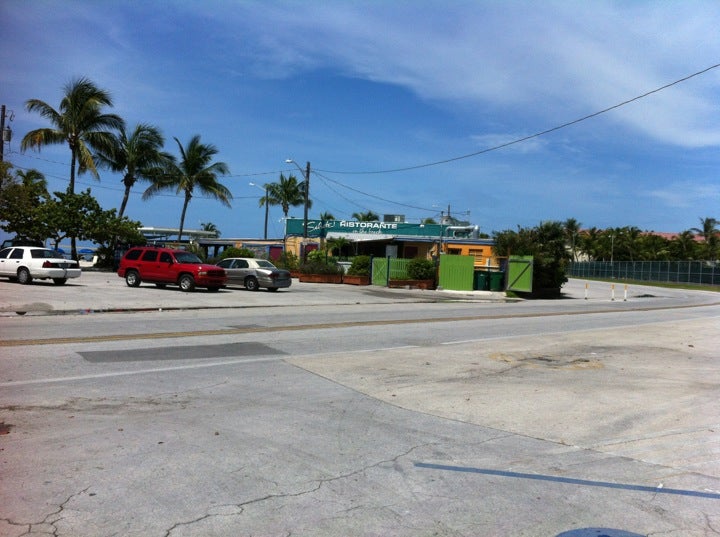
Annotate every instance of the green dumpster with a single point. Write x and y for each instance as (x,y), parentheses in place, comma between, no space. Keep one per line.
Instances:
(497,281)
(482,280)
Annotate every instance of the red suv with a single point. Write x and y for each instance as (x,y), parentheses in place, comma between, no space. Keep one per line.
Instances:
(163,266)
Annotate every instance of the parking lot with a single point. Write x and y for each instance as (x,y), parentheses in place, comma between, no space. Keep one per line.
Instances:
(336,410)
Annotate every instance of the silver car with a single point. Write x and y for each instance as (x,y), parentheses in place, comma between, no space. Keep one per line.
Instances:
(255,273)
(27,263)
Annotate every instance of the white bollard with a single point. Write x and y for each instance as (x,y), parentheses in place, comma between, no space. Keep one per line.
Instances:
(612,291)
(625,295)
(586,290)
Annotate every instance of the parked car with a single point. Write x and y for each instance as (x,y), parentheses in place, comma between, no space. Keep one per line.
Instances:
(27,263)
(165,266)
(255,273)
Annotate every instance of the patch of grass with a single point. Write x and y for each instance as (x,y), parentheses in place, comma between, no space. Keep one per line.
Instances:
(669,285)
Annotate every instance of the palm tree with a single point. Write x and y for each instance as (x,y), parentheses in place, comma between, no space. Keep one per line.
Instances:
(32,179)
(367,216)
(684,246)
(209,226)
(572,231)
(338,243)
(79,122)
(195,170)
(137,156)
(327,216)
(709,231)
(286,193)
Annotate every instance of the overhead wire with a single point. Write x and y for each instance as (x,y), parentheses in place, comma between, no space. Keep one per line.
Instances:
(531,136)
(319,171)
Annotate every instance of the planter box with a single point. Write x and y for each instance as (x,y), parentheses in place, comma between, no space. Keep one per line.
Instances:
(320,278)
(412,284)
(351,279)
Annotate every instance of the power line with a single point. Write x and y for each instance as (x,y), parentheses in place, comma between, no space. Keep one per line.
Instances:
(530,137)
(371,195)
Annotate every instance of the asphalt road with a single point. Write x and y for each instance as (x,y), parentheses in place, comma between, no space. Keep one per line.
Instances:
(334,410)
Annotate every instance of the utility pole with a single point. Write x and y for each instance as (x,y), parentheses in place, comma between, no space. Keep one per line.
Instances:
(307,194)
(2,132)
(266,210)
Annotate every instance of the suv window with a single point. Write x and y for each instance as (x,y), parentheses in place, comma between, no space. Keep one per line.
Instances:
(187,257)
(133,255)
(4,253)
(17,253)
(165,257)
(150,255)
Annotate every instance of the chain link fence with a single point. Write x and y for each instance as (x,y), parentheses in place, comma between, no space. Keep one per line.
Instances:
(698,272)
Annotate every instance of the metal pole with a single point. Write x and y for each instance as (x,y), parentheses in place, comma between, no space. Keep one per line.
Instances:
(307,194)
(2,132)
(266,211)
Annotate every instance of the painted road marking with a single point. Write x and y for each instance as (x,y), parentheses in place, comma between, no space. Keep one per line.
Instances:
(569,480)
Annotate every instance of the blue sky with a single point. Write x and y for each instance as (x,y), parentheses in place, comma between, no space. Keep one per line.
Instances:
(375,86)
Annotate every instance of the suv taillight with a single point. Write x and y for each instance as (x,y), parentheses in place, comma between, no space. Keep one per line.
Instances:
(47,264)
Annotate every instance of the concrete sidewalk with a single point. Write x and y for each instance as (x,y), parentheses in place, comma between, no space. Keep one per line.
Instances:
(97,292)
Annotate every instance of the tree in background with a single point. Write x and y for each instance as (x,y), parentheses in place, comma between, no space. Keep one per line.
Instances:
(572,235)
(367,216)
(79,122)
(287,192)
(194,171)
(546,243)
(137,156)
(212,228)
(21,197)
(709,231)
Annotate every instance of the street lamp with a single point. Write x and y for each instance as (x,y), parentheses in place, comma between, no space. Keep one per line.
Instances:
(306,173)
(266,205)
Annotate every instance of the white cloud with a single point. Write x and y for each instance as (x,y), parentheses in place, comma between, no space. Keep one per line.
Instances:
(688,195)
(560,60)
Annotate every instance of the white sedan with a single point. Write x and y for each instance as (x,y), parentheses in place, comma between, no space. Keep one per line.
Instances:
(27,263)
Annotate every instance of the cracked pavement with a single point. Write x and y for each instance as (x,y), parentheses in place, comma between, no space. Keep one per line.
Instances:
(532,435)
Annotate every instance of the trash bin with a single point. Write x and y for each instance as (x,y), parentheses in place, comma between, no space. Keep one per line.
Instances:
(497,281)
(482,281)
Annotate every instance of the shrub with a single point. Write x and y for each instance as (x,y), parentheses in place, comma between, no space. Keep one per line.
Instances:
(236,252)
(287,261)
(360,266)
(318,263)
(421,269)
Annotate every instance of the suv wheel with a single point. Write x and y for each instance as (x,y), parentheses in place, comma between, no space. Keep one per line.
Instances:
(132,278)
(187,283)
(251,283)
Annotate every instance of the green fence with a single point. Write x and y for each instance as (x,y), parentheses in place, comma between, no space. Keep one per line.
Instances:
(456,272)
(699,272)
(384,268)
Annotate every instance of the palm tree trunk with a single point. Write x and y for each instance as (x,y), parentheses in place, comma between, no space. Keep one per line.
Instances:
(123,204)
(182,216)
(71,188)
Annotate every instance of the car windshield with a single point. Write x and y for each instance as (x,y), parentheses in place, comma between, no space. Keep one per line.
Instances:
(264,264)
(187,257)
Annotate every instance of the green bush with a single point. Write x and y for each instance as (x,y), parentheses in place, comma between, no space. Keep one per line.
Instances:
(360,266)
(236,252)
(421,269)
(287,261)
(317,262)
